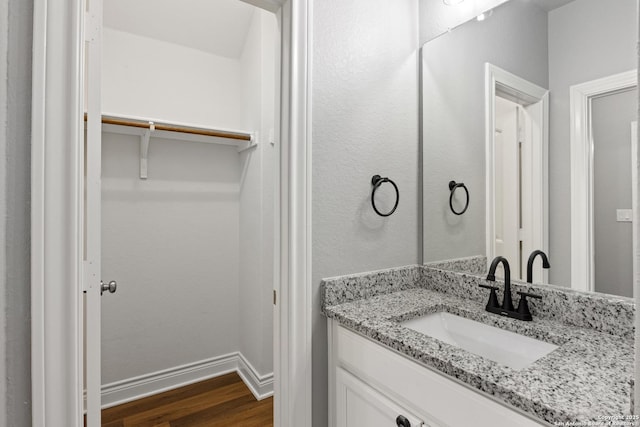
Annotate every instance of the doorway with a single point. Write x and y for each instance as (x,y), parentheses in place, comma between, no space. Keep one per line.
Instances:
(613,236)
(516,175)
(615,215)
(58,206)
(187,202)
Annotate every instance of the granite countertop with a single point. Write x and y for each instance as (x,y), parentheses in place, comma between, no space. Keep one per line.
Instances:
(586,378)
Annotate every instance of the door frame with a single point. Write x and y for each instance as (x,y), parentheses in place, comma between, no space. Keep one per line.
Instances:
(635,166)
(57,200)
(498,80)
(581,140)
(635,204)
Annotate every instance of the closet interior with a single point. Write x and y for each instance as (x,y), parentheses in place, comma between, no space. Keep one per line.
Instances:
(189,170)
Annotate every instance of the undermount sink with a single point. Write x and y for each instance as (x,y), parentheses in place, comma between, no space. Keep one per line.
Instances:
(504,347)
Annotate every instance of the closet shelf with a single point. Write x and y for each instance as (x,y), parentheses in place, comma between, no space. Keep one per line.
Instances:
(147,128)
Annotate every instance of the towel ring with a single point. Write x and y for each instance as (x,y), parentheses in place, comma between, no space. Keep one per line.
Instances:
(377,181)
(452,188)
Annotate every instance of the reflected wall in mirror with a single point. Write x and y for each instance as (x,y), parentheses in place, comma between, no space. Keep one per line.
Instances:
(543,170)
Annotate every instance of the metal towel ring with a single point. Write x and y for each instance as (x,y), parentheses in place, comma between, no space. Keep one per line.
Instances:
(377,181)
(452,188)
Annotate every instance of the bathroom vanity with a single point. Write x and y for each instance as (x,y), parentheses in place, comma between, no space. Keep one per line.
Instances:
(517,134)
(374,386)
(383,372)
(506,176)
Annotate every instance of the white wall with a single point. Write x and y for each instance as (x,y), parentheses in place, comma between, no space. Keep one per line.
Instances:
(588,39)
(15,132)
(171,242)
(156,79)
(191,246)
(514,39)
(257,194)
(365,122)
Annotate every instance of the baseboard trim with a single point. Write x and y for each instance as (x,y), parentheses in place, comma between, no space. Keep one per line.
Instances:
(124,391)
(260,385)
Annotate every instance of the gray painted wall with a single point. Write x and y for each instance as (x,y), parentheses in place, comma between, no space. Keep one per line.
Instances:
(588,39)
(15,134)
(4,105)
(612,116)
(177,299)
(365,122)
(514,38)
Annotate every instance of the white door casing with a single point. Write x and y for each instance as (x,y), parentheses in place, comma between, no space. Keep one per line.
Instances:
(515,186)
(506,224)
(581,140)
(57,158)
(292,328)
(58,202)
(91,211)
(535,101)
(635,199)
(635,165)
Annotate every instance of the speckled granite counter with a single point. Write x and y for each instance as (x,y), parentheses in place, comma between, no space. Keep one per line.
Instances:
(473,264)
(587,377)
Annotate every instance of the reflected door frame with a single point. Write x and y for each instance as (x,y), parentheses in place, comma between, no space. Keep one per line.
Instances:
(581,140)
(523,92)
(635,166)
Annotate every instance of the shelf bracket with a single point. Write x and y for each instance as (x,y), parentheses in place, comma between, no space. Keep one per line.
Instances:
(252,143)
(144,150)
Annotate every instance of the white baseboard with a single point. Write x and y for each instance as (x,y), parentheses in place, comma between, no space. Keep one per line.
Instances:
(260,385)
(124,391)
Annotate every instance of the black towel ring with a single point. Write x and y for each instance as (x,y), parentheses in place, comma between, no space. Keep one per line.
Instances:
(377,181)
(452,188)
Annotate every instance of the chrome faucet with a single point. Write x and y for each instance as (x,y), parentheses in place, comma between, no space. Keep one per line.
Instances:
(506,308)
(532,257)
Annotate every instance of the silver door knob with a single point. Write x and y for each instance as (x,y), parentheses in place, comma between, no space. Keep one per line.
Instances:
(111,287)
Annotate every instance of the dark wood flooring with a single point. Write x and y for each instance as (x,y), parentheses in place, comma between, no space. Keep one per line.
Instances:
(221,401)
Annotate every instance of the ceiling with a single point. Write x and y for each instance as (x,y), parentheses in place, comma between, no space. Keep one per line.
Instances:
(218,27)
(214,26)
(549,5)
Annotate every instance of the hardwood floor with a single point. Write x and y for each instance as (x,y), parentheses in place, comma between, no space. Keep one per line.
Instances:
(221,401)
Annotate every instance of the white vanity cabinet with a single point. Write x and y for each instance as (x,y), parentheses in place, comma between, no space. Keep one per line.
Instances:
(357,404)
(371,385)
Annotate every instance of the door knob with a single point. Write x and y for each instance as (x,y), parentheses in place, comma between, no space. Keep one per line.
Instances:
(111,287)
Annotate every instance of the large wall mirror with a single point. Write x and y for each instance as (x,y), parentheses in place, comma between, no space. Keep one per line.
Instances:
(531,107)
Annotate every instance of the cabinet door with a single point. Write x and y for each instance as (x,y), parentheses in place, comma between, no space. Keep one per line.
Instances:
(360,405)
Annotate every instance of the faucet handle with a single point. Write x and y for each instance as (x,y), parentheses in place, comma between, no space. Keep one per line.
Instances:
(523,306)
(527,294)
(493,297)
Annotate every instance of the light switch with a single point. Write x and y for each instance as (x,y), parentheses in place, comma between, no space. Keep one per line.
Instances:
(624,215)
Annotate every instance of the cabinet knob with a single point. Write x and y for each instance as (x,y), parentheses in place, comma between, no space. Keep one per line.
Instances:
(402,421)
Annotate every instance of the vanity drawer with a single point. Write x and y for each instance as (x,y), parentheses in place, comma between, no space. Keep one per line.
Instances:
(437,399)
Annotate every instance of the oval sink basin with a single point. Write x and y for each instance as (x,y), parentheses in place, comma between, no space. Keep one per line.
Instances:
(504,347)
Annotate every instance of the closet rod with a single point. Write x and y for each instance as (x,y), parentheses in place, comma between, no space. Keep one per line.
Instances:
(120,121)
